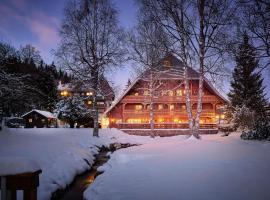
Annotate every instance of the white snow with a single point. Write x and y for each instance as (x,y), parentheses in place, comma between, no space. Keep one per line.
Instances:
(177,168)
(16,165)
(59,152)
(46,114)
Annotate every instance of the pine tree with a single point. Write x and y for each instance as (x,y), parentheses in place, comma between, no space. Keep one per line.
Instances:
(247,84)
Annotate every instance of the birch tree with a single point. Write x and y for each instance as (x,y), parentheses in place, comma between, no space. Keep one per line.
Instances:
(90,44)
(198,30)
(148,44)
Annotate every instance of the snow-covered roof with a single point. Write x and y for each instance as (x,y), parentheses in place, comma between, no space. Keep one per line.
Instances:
(192,75)
(46,114)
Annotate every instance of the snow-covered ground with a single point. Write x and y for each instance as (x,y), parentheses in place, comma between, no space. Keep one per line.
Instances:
(60,153)
(162,168)
(175,168)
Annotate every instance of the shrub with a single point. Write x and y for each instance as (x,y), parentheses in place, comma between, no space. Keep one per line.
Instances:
(260,131)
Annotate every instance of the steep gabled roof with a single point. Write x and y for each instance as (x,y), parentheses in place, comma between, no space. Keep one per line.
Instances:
(41,112)
(175,73)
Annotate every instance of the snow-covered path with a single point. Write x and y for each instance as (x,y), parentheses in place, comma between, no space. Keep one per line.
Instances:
(175,168)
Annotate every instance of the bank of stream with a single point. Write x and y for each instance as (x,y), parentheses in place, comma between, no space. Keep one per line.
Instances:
(75,190)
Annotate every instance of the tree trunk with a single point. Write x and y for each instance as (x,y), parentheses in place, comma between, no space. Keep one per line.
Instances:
(201,5)
(95,117)
(151,109)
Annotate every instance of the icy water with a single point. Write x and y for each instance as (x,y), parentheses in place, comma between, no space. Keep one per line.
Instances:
(81,182)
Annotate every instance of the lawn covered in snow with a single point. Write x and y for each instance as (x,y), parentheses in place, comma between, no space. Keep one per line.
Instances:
(173,168)
(60,153)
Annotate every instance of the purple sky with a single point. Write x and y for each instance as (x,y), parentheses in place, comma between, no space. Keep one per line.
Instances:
(38,21)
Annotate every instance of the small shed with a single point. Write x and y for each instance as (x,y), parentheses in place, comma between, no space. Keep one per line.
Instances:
(39,119)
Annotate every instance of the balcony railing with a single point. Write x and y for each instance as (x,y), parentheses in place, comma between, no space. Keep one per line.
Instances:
(161,126)
(165,99)
(165,112)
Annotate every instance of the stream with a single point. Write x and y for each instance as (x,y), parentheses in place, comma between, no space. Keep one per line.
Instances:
(75,190)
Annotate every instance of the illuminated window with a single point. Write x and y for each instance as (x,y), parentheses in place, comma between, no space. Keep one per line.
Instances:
(179,93)
(138,107)
(183,107)
(166,63)
(135,121)
(170,93)
(89,102)
(30,120)
(160,120)
(136,94)
(171,107)
(64,93)
(146,93)
(160,106)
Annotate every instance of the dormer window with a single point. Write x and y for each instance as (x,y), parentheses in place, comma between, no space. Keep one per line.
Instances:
(166,63)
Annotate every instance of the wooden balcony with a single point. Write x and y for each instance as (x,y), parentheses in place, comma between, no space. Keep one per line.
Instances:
(166,99)
(164,113)
(161,126)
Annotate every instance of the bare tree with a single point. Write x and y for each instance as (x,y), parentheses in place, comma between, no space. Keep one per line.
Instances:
(91,43)
(198,30)
(255,18)
(29,53)
(148,44)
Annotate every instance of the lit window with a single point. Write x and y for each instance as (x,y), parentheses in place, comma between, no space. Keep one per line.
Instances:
(64,93)
(146,93)
(136,94)
(170,93)
(160,106)
(179,93)
(138,107)
(89,102)
(171,107)
(30,120)
(166,63)
(135,121)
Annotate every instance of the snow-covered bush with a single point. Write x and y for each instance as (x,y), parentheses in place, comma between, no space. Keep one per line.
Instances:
(260,130)
(244,118)
(72,109)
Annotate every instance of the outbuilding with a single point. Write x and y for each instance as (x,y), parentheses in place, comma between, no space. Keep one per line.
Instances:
(39,119)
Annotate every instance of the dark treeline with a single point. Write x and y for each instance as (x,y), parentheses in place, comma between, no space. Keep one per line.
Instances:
(26,81)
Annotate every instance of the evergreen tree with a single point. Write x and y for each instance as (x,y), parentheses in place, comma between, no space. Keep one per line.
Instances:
(247,84)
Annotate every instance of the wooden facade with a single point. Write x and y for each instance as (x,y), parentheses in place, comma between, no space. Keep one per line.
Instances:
(39,119)
(131,111)
(104,97)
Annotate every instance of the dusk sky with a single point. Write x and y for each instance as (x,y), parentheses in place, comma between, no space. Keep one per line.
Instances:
(38,22)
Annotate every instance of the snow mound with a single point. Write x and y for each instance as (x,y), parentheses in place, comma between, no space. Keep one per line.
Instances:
(17,165)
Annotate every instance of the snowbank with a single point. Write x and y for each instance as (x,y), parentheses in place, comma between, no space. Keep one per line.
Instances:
(212,168)
(60,153)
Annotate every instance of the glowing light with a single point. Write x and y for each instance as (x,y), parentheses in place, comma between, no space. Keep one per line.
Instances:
(222,116)
(89,102)
(89,93)
(175,120)
(105,122)
(64,93)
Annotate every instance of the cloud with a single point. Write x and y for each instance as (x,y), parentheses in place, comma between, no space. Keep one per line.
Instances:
(43,26)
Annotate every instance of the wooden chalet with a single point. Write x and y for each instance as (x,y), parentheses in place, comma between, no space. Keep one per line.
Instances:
(131,111)
(105,95)
(39,119)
